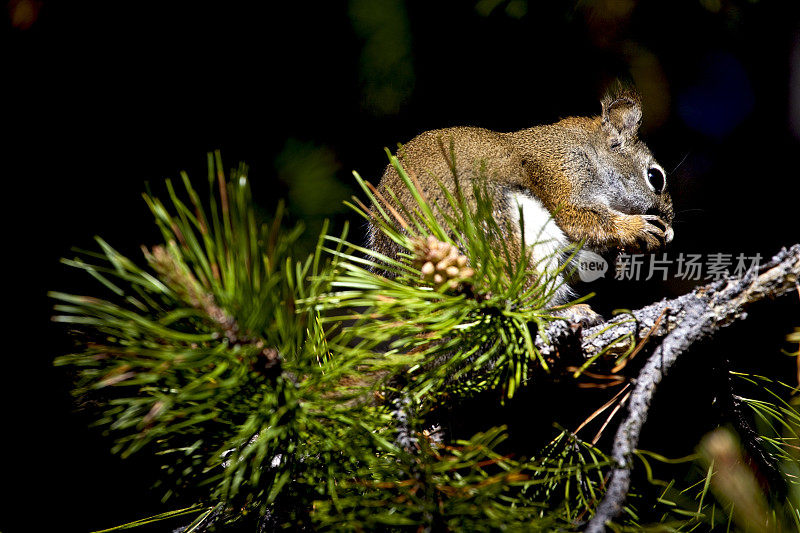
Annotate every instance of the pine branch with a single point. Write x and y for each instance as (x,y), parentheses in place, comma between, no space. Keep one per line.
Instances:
(735,411)
(205,361)
(689,318)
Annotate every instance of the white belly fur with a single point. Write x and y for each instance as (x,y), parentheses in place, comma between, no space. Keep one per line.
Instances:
(545,240)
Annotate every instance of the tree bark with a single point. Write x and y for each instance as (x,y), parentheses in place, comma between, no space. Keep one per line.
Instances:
(678,323)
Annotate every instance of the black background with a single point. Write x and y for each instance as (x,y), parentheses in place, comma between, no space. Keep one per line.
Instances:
(103,96)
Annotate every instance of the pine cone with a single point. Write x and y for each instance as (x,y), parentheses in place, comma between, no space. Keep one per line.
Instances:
(441,262)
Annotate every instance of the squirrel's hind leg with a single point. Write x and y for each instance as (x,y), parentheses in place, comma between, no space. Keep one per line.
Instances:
(581,314)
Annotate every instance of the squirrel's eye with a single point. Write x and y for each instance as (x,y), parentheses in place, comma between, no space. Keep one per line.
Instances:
(655,178)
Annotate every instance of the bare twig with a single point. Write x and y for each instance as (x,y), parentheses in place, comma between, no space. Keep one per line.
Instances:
(599,411)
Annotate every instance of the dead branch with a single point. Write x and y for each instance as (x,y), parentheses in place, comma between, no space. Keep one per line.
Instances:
(686,320)
(725,299)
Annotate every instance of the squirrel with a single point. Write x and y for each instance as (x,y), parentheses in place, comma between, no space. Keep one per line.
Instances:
(582,179)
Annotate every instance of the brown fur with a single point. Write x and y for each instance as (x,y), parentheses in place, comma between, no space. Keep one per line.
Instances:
(588,172)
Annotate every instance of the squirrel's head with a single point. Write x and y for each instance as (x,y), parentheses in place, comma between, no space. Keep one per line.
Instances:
(631,180)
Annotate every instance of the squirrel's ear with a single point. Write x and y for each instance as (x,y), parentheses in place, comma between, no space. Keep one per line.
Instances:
(622,114)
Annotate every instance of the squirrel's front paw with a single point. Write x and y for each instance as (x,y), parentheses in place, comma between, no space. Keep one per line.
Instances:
(643,232)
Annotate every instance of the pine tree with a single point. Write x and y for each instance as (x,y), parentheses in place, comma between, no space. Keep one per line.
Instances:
(279,392)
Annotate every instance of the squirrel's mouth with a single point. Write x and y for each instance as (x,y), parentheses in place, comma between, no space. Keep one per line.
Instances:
(631,205)
(626,209)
